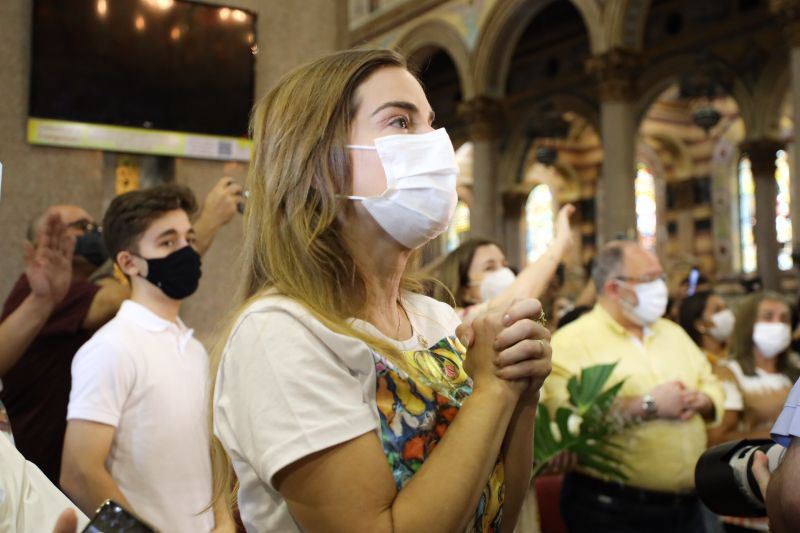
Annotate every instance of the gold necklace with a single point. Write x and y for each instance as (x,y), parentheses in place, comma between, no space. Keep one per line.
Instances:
(399,319)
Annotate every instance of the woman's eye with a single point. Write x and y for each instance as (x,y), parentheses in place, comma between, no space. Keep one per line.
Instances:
(167,243)
(400,122)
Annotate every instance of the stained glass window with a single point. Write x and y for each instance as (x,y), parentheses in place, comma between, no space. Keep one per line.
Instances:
(459,227)
(783,222)
(645,187)
(747,213)
(538,221)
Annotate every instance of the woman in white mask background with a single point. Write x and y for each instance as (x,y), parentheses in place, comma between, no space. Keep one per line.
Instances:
(476,274)
(760,371)
(709,321)
(343,398)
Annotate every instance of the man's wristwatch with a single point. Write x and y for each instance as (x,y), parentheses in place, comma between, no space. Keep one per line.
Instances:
(649,407)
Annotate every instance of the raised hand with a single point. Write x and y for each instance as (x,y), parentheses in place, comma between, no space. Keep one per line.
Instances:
(563,231)
(48,265)
(222,202)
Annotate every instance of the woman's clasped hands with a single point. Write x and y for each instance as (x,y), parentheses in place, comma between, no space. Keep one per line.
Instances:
(509,349)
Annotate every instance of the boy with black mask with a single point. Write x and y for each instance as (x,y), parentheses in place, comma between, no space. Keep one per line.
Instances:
(138,412)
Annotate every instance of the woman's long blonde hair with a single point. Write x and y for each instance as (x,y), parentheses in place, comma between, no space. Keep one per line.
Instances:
(299,169)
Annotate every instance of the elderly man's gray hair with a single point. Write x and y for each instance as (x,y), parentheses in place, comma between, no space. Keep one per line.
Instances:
(609,263)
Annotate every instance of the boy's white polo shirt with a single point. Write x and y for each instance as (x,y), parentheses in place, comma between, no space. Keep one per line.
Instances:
(149,378)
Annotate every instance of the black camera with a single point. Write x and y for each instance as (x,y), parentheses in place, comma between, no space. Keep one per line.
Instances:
(724,478)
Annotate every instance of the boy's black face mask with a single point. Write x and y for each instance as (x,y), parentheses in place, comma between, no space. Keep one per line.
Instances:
(177,275)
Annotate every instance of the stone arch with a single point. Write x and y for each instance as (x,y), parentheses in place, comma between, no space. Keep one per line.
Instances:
(678,151)
(769,98)
(512,166)
(431,35)
(500,34)
(657,77)
(625,23)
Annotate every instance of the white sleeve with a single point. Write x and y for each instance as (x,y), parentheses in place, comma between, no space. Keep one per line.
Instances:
(733,397)
(283,394)
(102,378)
(28,500)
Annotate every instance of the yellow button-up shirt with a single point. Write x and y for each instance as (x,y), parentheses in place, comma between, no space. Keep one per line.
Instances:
(659,454)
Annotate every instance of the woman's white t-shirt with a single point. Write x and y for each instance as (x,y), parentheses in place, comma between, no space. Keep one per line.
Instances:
(288,387)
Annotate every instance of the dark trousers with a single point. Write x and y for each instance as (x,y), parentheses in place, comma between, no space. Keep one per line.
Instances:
(589,505)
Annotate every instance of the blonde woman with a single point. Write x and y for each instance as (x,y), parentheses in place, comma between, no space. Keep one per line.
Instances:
(343,398)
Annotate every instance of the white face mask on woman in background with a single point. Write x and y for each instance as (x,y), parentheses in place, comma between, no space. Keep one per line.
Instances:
(495,282)
(771,338)
(723,325)
(652,303)
(420,195)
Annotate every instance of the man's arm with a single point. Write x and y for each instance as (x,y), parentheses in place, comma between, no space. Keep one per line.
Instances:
(105,304)
(49,273)
(218,209)
(84,477)
(781,491)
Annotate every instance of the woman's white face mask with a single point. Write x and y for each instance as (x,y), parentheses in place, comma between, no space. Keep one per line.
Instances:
(495,282)
(771,338)
(723,325)
(420,195)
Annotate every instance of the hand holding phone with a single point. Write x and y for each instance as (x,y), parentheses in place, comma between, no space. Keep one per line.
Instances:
(111,517)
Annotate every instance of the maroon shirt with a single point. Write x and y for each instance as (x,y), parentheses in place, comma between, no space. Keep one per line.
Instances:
(36,389)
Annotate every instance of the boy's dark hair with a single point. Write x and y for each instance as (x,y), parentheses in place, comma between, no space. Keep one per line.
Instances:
(130,214)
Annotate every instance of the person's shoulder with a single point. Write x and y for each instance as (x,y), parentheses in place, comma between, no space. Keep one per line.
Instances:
(673,331)
(271,307)
(728,370)
(425,304)
(577,328)
(112,339)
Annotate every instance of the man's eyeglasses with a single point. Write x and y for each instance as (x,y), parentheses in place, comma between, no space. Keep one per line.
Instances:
(641,279)
(84,225)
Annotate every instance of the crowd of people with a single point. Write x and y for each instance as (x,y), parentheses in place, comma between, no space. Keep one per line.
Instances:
(346,394)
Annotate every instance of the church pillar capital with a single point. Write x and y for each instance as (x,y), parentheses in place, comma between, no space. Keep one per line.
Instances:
(615,72)
(484,116)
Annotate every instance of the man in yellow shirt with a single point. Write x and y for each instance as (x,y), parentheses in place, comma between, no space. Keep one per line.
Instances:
(670,393)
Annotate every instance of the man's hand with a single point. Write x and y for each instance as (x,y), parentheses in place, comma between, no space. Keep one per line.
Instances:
(760,471)
(669,399)
(695,402)
(222,202)
(49,264)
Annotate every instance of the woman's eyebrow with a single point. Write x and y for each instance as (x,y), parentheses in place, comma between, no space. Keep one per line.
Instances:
(402,104)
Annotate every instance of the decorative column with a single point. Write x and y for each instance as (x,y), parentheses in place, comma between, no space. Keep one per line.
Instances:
(762,163)
(616,203)
(684,204)
(789,11)
(484,117)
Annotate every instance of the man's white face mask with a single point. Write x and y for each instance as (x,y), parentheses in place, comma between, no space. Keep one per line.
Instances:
(651,305)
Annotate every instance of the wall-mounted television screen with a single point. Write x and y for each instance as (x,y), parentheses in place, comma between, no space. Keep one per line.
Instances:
(167,77)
